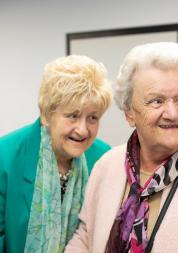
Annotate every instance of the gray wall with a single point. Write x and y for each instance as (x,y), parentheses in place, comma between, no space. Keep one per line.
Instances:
(32,33)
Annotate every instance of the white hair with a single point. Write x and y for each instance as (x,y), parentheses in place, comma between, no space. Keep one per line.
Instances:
(161,55)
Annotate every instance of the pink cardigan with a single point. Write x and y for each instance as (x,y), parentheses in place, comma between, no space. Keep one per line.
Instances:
(103,197)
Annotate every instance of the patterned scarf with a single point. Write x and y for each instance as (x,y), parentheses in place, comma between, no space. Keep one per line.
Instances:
(52,223)
(129,231)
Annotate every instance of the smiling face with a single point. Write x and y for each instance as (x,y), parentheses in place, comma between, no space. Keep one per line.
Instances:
(154,110)
(73,129)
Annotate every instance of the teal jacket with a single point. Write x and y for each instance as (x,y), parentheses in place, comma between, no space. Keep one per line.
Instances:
(18,163)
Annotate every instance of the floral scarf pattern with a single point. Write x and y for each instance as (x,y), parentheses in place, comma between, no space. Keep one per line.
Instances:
(129,231)
(52,223)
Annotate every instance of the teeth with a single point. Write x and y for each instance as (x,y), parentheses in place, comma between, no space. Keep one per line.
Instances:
(78,140)
(172,126)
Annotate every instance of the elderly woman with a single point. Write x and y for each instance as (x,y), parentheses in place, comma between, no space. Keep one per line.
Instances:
(124,210)
(44,167)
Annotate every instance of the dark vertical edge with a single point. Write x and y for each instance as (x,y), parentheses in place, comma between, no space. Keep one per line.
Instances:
(67,44)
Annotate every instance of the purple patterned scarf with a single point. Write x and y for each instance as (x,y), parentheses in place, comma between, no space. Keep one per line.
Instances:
(129,231)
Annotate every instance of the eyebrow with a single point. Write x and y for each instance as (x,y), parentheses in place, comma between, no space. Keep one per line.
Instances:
(159,94)
(155,93)
(72,111)
(79,111)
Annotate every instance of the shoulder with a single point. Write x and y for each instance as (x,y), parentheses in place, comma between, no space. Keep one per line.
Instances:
(21,132)
(98,146)
(111,160)
(108,172)
(113,154)
(96,150)
(13,141)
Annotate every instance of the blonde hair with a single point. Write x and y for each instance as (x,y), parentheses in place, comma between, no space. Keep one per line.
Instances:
(72,79)
(161,55)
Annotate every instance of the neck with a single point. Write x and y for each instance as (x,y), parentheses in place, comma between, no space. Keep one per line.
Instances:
(150,160)
(63,165)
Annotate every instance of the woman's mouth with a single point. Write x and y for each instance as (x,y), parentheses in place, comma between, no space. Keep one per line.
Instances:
(78,139)
(170,126)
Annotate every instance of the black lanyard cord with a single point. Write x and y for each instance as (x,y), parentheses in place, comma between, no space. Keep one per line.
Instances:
(161,215)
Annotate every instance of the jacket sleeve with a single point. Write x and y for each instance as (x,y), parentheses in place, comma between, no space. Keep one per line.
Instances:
(80,240)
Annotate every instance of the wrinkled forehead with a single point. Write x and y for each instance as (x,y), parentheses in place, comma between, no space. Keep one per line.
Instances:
(155,80)
(86,103)
(82,104)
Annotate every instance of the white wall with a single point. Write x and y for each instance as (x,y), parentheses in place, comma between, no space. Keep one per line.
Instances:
(32,33)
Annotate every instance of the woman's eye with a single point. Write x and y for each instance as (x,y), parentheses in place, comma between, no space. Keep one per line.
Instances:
(93,119)
(156,102)
(176,100)
(72,116)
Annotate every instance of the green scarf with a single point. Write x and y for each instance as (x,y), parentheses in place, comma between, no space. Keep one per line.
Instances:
(52,223)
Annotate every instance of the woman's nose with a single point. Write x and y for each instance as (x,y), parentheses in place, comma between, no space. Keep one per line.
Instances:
(82,128)
(170,110)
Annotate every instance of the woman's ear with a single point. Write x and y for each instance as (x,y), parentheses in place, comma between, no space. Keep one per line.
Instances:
(44,121)
(129,114)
